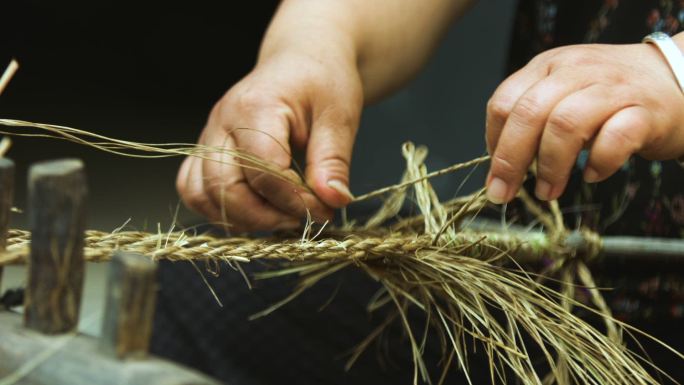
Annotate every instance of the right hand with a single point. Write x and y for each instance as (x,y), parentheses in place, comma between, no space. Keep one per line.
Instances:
(290,99)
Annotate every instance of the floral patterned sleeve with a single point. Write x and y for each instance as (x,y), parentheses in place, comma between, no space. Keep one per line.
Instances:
(644,198)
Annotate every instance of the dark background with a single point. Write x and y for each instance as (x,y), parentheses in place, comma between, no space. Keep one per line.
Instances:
(150,71)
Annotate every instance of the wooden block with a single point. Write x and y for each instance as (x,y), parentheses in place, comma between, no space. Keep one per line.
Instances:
(57,193)
(131,295)
(6,198)
(75,359)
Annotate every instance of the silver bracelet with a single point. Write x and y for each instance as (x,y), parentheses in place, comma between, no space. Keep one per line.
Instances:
(673,57)
(672,53)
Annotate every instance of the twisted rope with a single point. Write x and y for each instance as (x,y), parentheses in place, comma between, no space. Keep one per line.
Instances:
(176,246)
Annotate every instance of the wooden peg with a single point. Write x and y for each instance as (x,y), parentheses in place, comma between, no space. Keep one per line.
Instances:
(131,296)
(57,192)
(6,198)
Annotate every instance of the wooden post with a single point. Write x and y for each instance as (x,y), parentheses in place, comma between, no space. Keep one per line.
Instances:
(131,295)
(6,198)
(57,192)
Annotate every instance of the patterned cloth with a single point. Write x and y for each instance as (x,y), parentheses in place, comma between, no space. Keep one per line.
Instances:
(298,345)
(644,198)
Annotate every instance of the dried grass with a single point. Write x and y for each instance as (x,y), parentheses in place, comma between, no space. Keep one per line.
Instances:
(470,286)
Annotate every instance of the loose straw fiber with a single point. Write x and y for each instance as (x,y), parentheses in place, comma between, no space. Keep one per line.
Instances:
(469,286)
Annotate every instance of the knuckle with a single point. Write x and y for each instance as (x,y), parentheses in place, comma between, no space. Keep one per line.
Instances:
(549,171)
(582,58)
(563,123)
(527,108)
(619,79)
(657,141)
(341,117)
(259,182)
(545,56)
(498,108)
(248,100)
(196,200)
(335,164)
(279,193)
(215,190)
(577,55)
(181,183)
(258,222)
(622,138)
(604,160)
(503,167)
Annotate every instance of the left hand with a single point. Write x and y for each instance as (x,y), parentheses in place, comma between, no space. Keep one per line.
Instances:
(615,100)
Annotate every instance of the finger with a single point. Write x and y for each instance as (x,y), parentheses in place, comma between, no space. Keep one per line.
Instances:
(190,186)
(519,139)
(183,175)
(246,211)
(570,126)
(329,154)
(623,135)
(269,141)
(236,203)
(503,100)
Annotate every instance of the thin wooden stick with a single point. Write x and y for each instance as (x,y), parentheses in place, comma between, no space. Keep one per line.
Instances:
(9,73)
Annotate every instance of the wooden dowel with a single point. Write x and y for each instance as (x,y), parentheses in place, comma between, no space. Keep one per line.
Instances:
(8,74)
(57,192)
(131,295)
(6,198)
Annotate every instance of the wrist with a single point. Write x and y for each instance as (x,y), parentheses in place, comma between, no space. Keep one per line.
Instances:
(678,39)
(323,31)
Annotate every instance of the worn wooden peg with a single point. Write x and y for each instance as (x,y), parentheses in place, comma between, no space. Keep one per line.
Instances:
(6,197)
(57,193)
(131,295)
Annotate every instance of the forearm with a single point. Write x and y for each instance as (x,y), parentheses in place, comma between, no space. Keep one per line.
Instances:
(388,40)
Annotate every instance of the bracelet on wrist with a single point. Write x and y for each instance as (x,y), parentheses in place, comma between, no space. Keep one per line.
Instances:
(674,58)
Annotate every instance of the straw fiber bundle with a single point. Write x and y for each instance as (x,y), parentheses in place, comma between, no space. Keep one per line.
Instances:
(472,287)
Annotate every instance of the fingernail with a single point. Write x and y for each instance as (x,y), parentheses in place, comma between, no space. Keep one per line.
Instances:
(497,191)
(543,190)
(341,188)
(289,225)
(591,175)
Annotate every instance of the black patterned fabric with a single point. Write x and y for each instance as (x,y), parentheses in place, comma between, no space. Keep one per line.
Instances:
(644,198)
(305,342)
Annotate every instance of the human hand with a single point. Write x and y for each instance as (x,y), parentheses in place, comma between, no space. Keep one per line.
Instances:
(288,99)
(615,100)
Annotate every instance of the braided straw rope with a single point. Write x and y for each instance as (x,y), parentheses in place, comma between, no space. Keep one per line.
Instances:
(178,246)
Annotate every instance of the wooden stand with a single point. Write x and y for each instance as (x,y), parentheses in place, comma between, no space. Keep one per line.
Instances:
(57,218)
(6,198)
(131,295)
(47,349)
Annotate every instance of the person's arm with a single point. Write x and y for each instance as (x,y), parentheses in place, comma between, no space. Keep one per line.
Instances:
(319,62)
(615,100)
(389,40)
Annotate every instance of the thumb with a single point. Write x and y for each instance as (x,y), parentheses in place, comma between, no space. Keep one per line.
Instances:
(329,155)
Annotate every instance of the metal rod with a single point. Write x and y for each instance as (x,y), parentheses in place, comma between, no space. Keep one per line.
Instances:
(628,248)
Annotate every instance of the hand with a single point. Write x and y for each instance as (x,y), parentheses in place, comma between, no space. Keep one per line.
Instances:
(615,100)
(289,99)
